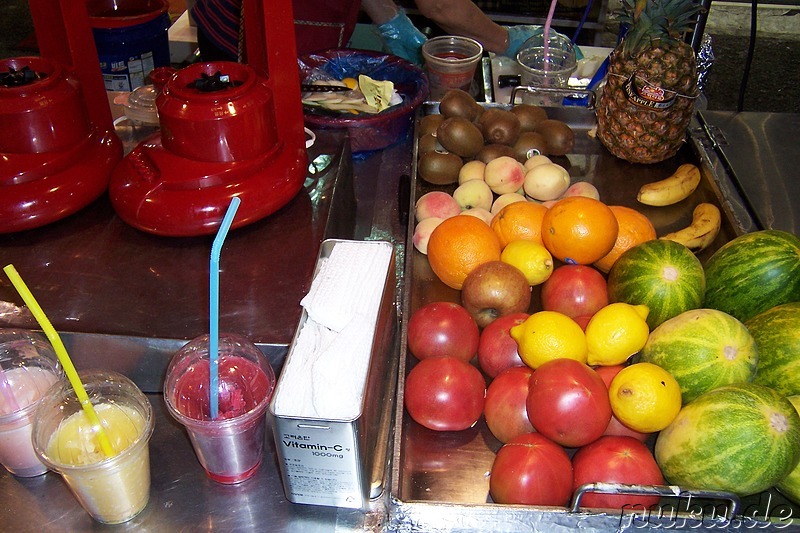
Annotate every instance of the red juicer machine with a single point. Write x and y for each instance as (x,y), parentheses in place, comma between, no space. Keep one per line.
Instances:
(226,129)
(57,141)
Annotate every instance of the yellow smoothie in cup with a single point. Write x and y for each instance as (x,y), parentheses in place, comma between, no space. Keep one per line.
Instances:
(111,489)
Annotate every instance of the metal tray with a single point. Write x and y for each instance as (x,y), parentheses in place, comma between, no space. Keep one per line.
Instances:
(441,479)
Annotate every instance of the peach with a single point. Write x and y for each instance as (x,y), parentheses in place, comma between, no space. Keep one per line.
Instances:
(472,194)
(504,174)
(536,160)
(472,170)
(480,213)
(437,204)
(582,188)
(505,199)
(422,233)
(547,181)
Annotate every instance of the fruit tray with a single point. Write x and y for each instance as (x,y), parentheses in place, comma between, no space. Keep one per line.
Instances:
(440,480)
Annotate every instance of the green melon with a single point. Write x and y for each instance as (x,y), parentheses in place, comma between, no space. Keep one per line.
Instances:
(754,272)
(742,438)
(790,486)
(661,274)
(703,349)
(777,334)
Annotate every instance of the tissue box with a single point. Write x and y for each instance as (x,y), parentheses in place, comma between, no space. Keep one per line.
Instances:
(342,462)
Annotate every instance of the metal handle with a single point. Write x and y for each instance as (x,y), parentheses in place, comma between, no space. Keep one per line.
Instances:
(556,91)
(668,491)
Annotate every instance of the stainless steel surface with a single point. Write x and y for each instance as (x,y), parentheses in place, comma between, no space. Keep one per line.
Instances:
(127,301)
(760,152)
(441,479)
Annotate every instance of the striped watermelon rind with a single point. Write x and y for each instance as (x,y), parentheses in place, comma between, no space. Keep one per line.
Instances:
(742,438)
(663,275)
(703,349)
(777,335)
(790,486)
(754,272)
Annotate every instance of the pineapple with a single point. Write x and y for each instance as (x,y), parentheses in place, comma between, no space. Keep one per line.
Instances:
(648,99)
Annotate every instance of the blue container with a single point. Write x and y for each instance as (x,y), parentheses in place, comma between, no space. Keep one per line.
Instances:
(132,38)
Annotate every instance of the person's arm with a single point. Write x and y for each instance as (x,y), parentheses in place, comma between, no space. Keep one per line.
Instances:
(463,17)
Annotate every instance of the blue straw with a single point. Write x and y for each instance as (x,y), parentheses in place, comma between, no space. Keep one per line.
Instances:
(213,332)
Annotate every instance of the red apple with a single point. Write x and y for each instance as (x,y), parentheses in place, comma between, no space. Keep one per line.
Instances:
(575,290)
(613,459)
(505,408)
(497,351)
(442,329)
(495,289)
(615,427)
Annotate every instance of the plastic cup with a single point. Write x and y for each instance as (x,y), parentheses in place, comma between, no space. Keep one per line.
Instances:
(230,447)
(551,72)
(450,62)
(111,489)
(29,367)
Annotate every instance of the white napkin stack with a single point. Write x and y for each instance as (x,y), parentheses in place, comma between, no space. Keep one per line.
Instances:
(326,368)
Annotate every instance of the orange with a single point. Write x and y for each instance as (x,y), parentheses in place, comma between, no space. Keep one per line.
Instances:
(579,230)
(634,228)
(519,220)
(458,245)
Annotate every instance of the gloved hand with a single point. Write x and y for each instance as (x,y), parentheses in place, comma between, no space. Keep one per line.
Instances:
(402,38)
(517,35)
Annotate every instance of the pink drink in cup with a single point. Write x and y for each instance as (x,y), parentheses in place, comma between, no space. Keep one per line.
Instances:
(29,368)
(230,447)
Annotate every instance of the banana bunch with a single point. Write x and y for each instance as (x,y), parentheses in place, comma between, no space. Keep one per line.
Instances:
(672,189)
(705,226)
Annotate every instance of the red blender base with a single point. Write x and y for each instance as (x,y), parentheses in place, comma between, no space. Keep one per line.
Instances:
(39,188)
(159,192)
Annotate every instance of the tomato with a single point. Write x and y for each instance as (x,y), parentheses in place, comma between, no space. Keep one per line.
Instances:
(568,402)
(575,290)
(497,351)
(505,410)
(531,469)
(614,459)
(442,329)
(445,394)
(615,427)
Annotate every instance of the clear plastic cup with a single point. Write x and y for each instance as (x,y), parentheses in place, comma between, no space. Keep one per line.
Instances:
(551,72)
(450,62)
(230,447)
(111,489)
(29,367)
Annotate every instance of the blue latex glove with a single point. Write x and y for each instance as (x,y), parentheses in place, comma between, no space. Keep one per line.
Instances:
(517,35)
(402,38)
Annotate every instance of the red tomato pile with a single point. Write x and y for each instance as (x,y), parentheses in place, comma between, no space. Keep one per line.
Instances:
(540,417)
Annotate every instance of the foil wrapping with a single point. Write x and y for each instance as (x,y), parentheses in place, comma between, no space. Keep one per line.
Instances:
(705,59)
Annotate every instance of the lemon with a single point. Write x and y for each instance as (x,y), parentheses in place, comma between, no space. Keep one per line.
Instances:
(351,83)
(531,258)
(616,332)
(549,335)
(645,397)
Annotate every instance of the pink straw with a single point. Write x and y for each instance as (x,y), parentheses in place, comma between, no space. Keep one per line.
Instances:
(546,34)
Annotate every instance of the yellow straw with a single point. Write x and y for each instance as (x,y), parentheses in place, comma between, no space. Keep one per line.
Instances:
(63,357)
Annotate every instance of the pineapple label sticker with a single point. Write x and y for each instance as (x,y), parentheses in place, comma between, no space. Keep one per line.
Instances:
(645,94)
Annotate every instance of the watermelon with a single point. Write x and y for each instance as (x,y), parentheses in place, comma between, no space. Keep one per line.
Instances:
(754,272)
(703,349)
(663,275)
(742,438)
(777,334)
(790,486)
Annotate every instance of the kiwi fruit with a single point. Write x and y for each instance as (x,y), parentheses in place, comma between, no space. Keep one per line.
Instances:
(492,151)
(460,136)
(559,136)
(458,103)
(499,126)
(529,116)
(439,168)
(529,143)
(428,124)
(427,143)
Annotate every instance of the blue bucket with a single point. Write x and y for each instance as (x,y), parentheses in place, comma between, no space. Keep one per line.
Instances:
(132,38)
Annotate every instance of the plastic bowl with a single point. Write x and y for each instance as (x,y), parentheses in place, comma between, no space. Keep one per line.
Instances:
(367,132)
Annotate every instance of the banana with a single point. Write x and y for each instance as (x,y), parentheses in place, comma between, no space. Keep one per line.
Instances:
(673,189)
(706,222)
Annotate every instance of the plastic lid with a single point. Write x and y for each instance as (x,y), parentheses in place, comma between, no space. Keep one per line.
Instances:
(141,105)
